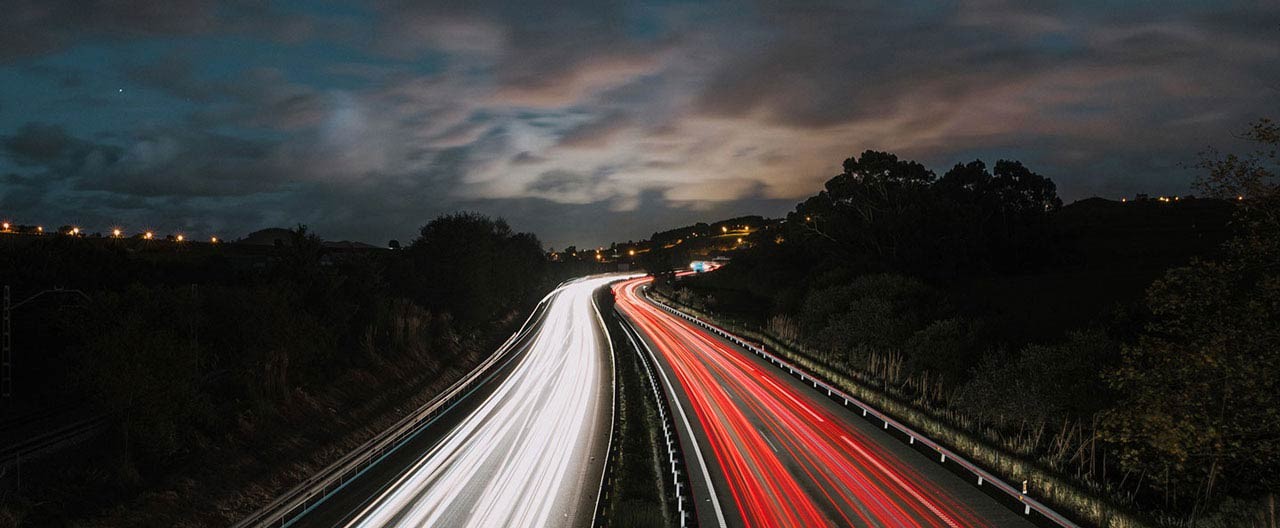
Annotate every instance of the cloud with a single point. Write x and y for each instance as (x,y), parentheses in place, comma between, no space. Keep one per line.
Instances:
(583,118)
(38,27)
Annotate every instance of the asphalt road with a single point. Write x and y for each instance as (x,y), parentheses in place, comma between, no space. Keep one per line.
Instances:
(525,448)
(765,450)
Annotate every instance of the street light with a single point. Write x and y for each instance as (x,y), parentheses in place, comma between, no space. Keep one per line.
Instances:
(148,235)
(39,229)
(115,233)
(179,238)
(213,240)
(75,231)
(724,229)
(631,253)
(6,226)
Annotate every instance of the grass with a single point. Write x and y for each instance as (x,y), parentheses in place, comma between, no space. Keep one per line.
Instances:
(639,493)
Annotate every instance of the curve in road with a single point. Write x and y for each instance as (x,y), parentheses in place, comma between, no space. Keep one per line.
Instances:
(785,457)
(526,449)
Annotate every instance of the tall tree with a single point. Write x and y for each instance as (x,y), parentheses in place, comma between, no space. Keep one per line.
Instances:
(1202,384)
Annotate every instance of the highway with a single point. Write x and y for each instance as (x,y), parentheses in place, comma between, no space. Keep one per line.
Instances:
(764,449)
(526,448)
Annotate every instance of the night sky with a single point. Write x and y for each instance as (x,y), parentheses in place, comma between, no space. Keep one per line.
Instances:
(595,120)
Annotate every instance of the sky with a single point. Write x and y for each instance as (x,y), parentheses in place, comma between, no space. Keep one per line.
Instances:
(592,121)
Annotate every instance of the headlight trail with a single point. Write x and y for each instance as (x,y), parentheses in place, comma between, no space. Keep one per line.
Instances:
(787,460)
(530,453)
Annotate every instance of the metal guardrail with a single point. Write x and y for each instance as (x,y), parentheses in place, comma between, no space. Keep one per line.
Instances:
(983,476)
(675,456)
(306,495)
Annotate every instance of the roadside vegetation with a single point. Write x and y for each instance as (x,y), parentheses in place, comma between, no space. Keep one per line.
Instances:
(1122,357)
(639,488)
(231,373)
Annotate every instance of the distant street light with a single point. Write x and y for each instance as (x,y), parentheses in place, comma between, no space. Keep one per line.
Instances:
(115,233)
(213,240)
(179,238)
(148,235)
(75,231)
(724,229)
(739,240)
(6,226)
(631,253)
(39,229)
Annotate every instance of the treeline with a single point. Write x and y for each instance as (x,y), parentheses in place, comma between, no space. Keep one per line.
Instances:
(1164,402)
(197,357)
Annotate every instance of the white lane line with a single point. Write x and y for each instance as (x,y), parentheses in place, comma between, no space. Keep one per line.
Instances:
(613,400)
(697,451)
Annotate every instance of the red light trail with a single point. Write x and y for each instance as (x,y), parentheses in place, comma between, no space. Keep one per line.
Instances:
(787,461)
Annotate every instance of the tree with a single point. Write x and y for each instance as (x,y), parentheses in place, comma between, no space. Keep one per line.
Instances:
(473,267)
(1201,407)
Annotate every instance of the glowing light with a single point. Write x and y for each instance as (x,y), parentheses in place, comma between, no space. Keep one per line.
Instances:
(724,229)
(178,238)
(39,229)
(213,240)
(631,252)
(115,233)
(75,231)
(515,459)
(148,235)
(6,226)
(739,240)
(748,410)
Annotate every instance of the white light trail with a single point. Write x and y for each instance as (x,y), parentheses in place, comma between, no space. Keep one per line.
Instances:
(522,457)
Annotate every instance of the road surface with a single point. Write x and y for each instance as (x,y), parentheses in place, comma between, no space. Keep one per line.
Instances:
(526,448)
(765,450)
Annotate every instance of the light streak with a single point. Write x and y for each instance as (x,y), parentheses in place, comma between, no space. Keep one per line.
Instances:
(520,458)
(787,462)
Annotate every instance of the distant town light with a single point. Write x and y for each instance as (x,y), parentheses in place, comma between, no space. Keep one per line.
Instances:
(1123,200)
(179,238)
(213,240)
(148,235)
(739,240)
(631,252)
(808,219)
(6,226)
(75,230)
(115,233)
(1240,198)
(39,229)
(724,229)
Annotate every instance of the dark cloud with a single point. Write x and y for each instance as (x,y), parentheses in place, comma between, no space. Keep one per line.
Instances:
(165,163)
(37,27)
(588,120)
(597,133)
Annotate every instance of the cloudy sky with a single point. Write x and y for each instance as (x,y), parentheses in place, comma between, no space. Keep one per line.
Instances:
(589,121)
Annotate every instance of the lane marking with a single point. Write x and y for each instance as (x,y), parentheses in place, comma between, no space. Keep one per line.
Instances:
(697,450)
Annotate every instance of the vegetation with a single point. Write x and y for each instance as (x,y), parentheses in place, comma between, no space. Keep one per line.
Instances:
(229,372)
(640,491)
(978,307)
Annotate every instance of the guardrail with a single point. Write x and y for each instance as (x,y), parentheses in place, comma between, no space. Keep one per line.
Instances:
(675,456)
(46,444)
(983,476)
(306,495)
